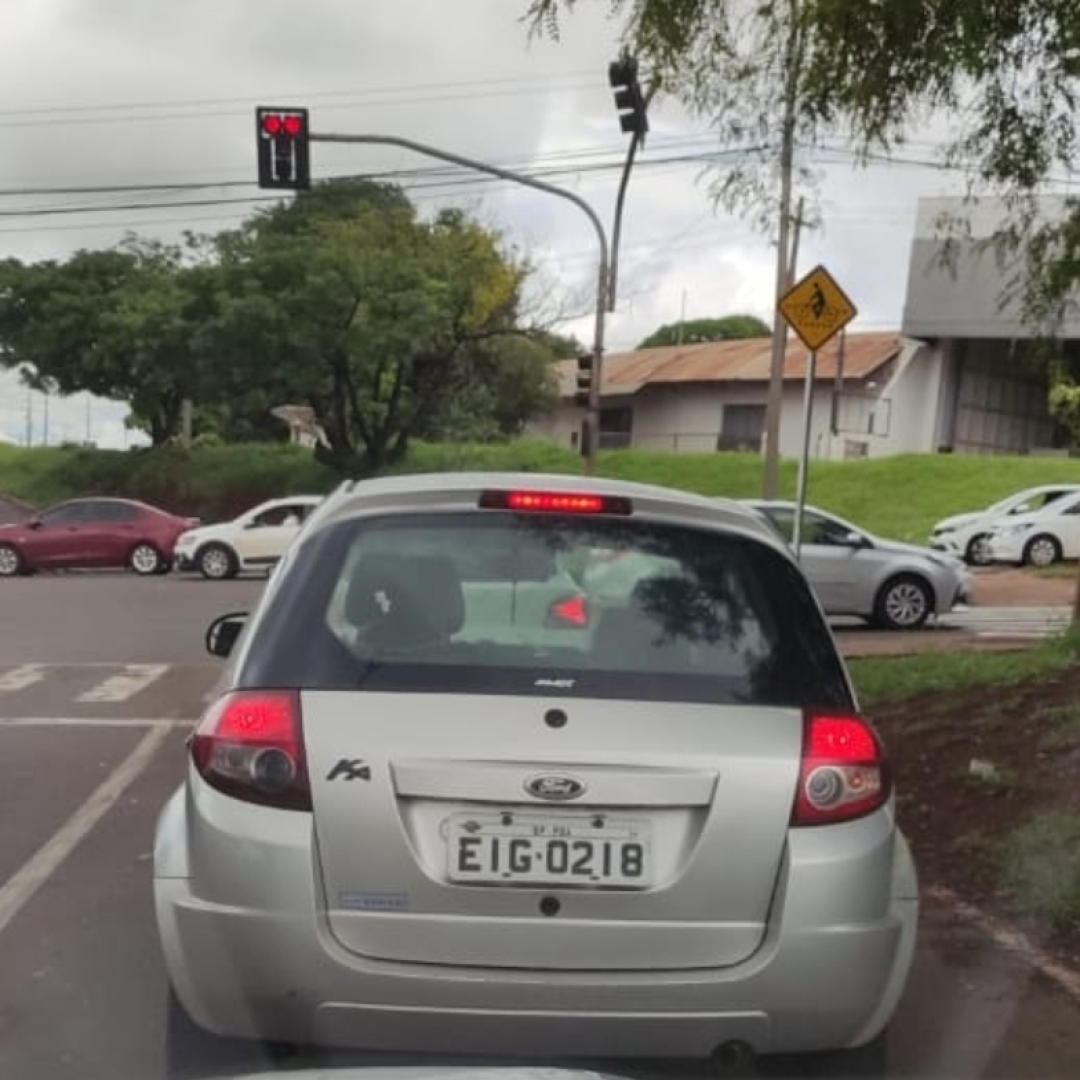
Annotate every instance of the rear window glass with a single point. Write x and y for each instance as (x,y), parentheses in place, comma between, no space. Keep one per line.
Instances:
(494,602)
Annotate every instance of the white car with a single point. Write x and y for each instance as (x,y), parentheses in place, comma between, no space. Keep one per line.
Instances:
(1041,538)
(967,535)
(255,540)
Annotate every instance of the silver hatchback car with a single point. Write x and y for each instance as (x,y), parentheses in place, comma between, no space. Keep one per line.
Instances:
(456,796)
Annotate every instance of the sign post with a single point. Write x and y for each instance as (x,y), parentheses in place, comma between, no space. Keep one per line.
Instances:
(817,309)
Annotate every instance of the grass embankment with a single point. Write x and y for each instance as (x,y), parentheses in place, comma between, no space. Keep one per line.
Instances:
(986,752)
(899,497)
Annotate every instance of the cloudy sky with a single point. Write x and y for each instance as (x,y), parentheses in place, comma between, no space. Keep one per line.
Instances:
(102,95)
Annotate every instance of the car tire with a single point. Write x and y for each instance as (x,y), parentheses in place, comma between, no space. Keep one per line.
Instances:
(192,1053)
(978,552)
(904,602)
(1042,550)
(867,1062)
(12,563)
(217,562)
(145,559)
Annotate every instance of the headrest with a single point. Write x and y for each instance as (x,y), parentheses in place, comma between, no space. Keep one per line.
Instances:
(437,581)
(386,604)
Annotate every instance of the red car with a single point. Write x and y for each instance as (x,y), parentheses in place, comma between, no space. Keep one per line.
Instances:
(92,533)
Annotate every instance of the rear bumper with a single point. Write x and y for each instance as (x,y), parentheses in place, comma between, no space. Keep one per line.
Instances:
(828,973)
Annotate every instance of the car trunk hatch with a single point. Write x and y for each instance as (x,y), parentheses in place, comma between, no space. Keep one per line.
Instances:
(584,834)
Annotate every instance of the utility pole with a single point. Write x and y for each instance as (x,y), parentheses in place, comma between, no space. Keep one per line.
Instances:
(29,417)
(45,421)
(775,400)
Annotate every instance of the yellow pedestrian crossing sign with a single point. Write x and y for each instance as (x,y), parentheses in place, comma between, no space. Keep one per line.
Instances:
(816,308)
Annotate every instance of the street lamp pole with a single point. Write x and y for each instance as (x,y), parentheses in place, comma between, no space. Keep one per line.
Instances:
(592,424)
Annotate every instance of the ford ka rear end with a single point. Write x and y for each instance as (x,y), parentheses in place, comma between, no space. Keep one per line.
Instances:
(527,765)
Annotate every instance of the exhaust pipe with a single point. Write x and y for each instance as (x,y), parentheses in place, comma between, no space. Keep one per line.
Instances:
(734,1058)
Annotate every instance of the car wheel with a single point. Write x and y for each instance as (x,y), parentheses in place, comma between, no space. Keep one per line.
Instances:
(11,561)
(904,602)
(978,551)
(868,1062)
(145,559)
(1042,550)
(217,562)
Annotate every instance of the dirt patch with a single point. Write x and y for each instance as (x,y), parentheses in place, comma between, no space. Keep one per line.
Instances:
(1006,587)
(858,643)
(988,782)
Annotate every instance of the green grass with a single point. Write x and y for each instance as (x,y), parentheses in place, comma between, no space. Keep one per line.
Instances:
(1040,866)
(880,679)
(899,497)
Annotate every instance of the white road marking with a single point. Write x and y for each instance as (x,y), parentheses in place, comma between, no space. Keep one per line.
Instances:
(93,721)
(21,677)
(133,679)
(22,885)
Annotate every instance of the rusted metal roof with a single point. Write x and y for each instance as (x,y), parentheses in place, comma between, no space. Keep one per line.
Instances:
(735,361)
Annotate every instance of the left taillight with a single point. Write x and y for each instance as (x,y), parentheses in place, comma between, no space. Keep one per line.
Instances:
(250,745)
(843,774)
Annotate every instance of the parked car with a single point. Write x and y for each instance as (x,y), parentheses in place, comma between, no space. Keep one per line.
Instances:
(893,585)
(968,535)
(92,533)
(254,540)
(419,815)
(1039,538)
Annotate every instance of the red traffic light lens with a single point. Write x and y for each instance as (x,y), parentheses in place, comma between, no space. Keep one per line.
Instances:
(294,125)
(272,124)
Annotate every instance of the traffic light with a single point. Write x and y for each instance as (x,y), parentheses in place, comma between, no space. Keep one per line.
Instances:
(629,100)
(584,379)
(283,144)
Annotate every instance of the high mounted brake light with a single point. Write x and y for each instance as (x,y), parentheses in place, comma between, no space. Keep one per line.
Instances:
(554,502)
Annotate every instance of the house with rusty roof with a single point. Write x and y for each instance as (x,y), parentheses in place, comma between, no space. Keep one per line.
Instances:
(871,396)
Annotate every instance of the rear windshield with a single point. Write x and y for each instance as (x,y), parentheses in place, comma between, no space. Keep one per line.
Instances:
(496,602)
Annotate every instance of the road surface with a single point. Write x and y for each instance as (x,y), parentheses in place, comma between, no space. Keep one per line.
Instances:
(99,678)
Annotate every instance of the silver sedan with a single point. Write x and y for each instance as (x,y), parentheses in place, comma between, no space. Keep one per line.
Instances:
(463,790)
(893,585)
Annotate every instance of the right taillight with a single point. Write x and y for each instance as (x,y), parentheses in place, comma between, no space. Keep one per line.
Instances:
(250,745)
(843,774)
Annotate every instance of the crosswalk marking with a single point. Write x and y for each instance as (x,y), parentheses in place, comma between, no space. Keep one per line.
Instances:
(21,677)
(133,679)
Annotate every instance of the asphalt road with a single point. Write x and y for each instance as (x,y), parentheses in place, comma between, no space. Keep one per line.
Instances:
(99,676)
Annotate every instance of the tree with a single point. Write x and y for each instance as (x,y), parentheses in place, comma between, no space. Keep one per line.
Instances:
(727,328)
(761,70)
(346,301)
(124,324)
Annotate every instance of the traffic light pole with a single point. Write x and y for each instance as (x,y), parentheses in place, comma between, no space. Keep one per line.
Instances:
(592,424)
(636,140)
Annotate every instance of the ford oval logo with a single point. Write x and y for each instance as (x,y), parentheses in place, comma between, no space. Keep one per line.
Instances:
(554,787)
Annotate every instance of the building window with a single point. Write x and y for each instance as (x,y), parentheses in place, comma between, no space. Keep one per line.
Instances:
(741,427)
(616,427)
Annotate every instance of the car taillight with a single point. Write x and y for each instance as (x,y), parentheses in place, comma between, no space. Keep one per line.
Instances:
(843,774)
(250,745)
(554,502)
(571,612)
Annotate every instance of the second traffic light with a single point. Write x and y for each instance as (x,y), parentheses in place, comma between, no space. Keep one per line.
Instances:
(283,140)
(584,379)
(629,100)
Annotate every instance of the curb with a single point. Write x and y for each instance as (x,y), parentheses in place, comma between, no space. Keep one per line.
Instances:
(1010,939)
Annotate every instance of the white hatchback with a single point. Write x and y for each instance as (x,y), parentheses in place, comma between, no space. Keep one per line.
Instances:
(255,540)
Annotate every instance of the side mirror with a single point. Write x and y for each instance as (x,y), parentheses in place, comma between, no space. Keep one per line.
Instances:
(34,523)
(855,540)
(222,633)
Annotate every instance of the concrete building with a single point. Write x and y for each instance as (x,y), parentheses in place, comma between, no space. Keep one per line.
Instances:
(957,377)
